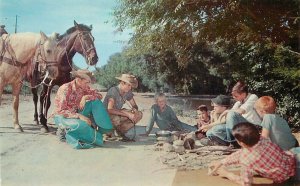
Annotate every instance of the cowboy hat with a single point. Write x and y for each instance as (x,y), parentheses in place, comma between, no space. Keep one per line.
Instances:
(84,74)
(222,100)
(131,79)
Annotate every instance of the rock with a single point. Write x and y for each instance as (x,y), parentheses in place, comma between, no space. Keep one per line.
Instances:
(191,135)
(198,144)
(189,144)
(178,143)
(179,149)
(174,137)
(168,147)
(163,139)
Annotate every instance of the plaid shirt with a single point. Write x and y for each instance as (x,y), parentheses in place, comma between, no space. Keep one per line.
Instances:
(266,159)
(68,98)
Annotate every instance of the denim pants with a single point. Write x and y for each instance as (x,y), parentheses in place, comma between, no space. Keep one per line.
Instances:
(224,131)
(79,131)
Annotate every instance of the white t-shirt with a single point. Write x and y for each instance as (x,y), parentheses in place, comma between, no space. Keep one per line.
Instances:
(248,105)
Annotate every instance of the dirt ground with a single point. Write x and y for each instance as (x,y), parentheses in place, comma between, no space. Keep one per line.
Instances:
(34,158)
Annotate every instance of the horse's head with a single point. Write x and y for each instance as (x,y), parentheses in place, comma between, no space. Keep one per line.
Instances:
(84,43)
(46,55)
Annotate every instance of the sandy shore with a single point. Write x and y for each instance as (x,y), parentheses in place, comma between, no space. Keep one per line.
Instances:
(33,158)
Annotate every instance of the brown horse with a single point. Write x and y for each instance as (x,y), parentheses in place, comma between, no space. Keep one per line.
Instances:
(17,53)
(76,39)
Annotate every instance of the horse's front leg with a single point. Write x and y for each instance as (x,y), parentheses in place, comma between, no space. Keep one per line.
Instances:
(16,89)
(43,101)
(1,88)
(35,98)
(48,103)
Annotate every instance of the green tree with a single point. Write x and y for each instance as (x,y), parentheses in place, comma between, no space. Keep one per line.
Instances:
(253,40)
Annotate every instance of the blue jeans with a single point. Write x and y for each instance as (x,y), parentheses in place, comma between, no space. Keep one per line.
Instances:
(79,131)
(98,113)
(224,131)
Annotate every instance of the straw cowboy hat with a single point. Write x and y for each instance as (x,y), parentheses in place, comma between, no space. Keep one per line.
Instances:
(84,74)
(131,79)
(222,100)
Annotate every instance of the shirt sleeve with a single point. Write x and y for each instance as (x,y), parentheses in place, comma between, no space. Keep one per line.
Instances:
(249,104)
(92,94)
(266,123)
(61,103)
(172,114)
(236,105)
(246,176)
(151,120)
(174,120)
(129,95)
(111,92)
(232,159)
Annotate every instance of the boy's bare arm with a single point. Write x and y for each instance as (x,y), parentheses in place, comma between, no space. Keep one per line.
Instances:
(216,168)
(229,175)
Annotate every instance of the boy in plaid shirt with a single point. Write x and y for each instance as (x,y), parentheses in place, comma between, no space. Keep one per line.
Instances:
(257,156)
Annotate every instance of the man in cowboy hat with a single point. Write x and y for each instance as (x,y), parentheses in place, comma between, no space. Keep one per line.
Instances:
(79,108)
(116,97)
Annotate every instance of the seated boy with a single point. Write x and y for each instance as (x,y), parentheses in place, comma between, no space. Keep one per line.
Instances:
(203,116)
(214,130)
(202,120)
(274,126)
(165,118)
(257,156)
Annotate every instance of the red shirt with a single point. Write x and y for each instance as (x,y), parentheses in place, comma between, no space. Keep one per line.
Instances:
(265,159)
(68,98)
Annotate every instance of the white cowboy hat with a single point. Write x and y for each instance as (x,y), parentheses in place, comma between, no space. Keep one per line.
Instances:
(84,74)
(131,79)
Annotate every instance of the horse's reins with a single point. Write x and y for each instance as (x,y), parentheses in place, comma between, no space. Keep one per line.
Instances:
(85,53)
(42,55)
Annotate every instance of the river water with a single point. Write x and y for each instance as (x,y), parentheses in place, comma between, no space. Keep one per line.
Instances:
(188,103)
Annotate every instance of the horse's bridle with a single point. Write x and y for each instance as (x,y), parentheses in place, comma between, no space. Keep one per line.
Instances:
(85,51)
(13,60)
(42,54)
(80,35)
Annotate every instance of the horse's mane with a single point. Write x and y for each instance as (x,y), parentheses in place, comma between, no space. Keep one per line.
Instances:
(82,27)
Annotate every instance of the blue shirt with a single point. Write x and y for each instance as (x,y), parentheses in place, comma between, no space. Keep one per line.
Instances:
(279,131)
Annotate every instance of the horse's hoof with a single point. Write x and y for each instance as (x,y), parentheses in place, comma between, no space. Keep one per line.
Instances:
(44,129)
(19,128)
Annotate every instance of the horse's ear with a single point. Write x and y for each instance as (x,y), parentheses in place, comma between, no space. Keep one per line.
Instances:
(75,23)
(91,27)
(43,36)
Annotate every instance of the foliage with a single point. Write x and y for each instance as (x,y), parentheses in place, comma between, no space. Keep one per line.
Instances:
(176,25)
(214,42)
(118,64)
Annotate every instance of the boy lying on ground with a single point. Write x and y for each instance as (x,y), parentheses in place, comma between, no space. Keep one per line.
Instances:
(257,156)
